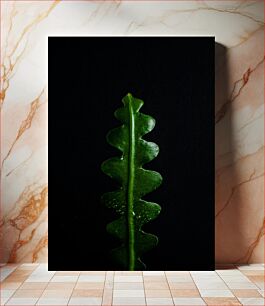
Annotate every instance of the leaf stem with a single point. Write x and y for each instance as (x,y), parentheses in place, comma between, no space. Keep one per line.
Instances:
(131,178)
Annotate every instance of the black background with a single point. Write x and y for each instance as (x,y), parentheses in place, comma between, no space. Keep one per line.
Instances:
(88,77)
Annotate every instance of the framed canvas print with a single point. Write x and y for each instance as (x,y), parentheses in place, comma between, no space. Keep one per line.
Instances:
(131,153)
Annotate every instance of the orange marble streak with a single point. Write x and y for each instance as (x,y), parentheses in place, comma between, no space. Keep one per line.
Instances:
(237,88)
(30,204)
(19,243)
(234,188)
(31,211)
(41,244)
(7,71)
(26,124)
(231,202)
(246,257)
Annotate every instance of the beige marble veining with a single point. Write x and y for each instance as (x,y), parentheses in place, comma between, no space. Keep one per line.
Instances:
(238,27)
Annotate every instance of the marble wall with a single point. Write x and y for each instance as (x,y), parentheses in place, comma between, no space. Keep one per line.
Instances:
(238,27)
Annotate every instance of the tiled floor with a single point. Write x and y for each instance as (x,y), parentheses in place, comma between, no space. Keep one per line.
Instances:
(33,284)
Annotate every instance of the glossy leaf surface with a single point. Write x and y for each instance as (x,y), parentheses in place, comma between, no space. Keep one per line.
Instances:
(135,182)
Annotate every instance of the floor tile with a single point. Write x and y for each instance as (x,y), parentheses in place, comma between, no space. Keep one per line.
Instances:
(107,297)
(216,293)
(224,266)
(87,293)
(235,278)
(179,278)
(62,286)
(64,279)
(215,301)
(149,293)
(93,273)
(22,301)
(229,272)
(42,272)
(91,278)
(241,285)
(126,279)
(19,271)
(110,274)
(173,273)
(185,293)
(211,285)
(246,293)
(29,266)
(28,293)
(33,286)
(16,278)
(128,293)
(6,271)
(156,285)
(56,294)
(250,267)
(260,285)
(131,286)
(128,301)
(182,286)
(43,266)
(153,273)
(3,300)
(67,273)
(261,292)
(253,272)
(85,301)
(9,265)
(159,301)
(252,301)
(206,277)
(128,273)
(10,285)
(109,285)
(188,301)
(203,273)
(53,301)
(39,278)
(155,278)
(256,278)
(6,293)
(89,285)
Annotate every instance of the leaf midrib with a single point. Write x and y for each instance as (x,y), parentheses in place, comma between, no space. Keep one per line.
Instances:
(130,189)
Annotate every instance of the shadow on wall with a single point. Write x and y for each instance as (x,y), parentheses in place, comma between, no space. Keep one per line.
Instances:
(228,227)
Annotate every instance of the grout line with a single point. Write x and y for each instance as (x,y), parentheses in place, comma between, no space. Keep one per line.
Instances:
(112,285)
(11,272)
(235,268)
(113,279)
(102,297)
(144,288)
(41,294)
(110,277)
(218,289)
(73,288)
(70,296)
(198,287)
(169,289)
(19,265)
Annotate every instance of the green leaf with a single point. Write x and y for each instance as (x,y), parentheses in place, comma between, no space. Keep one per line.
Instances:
(135,182)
